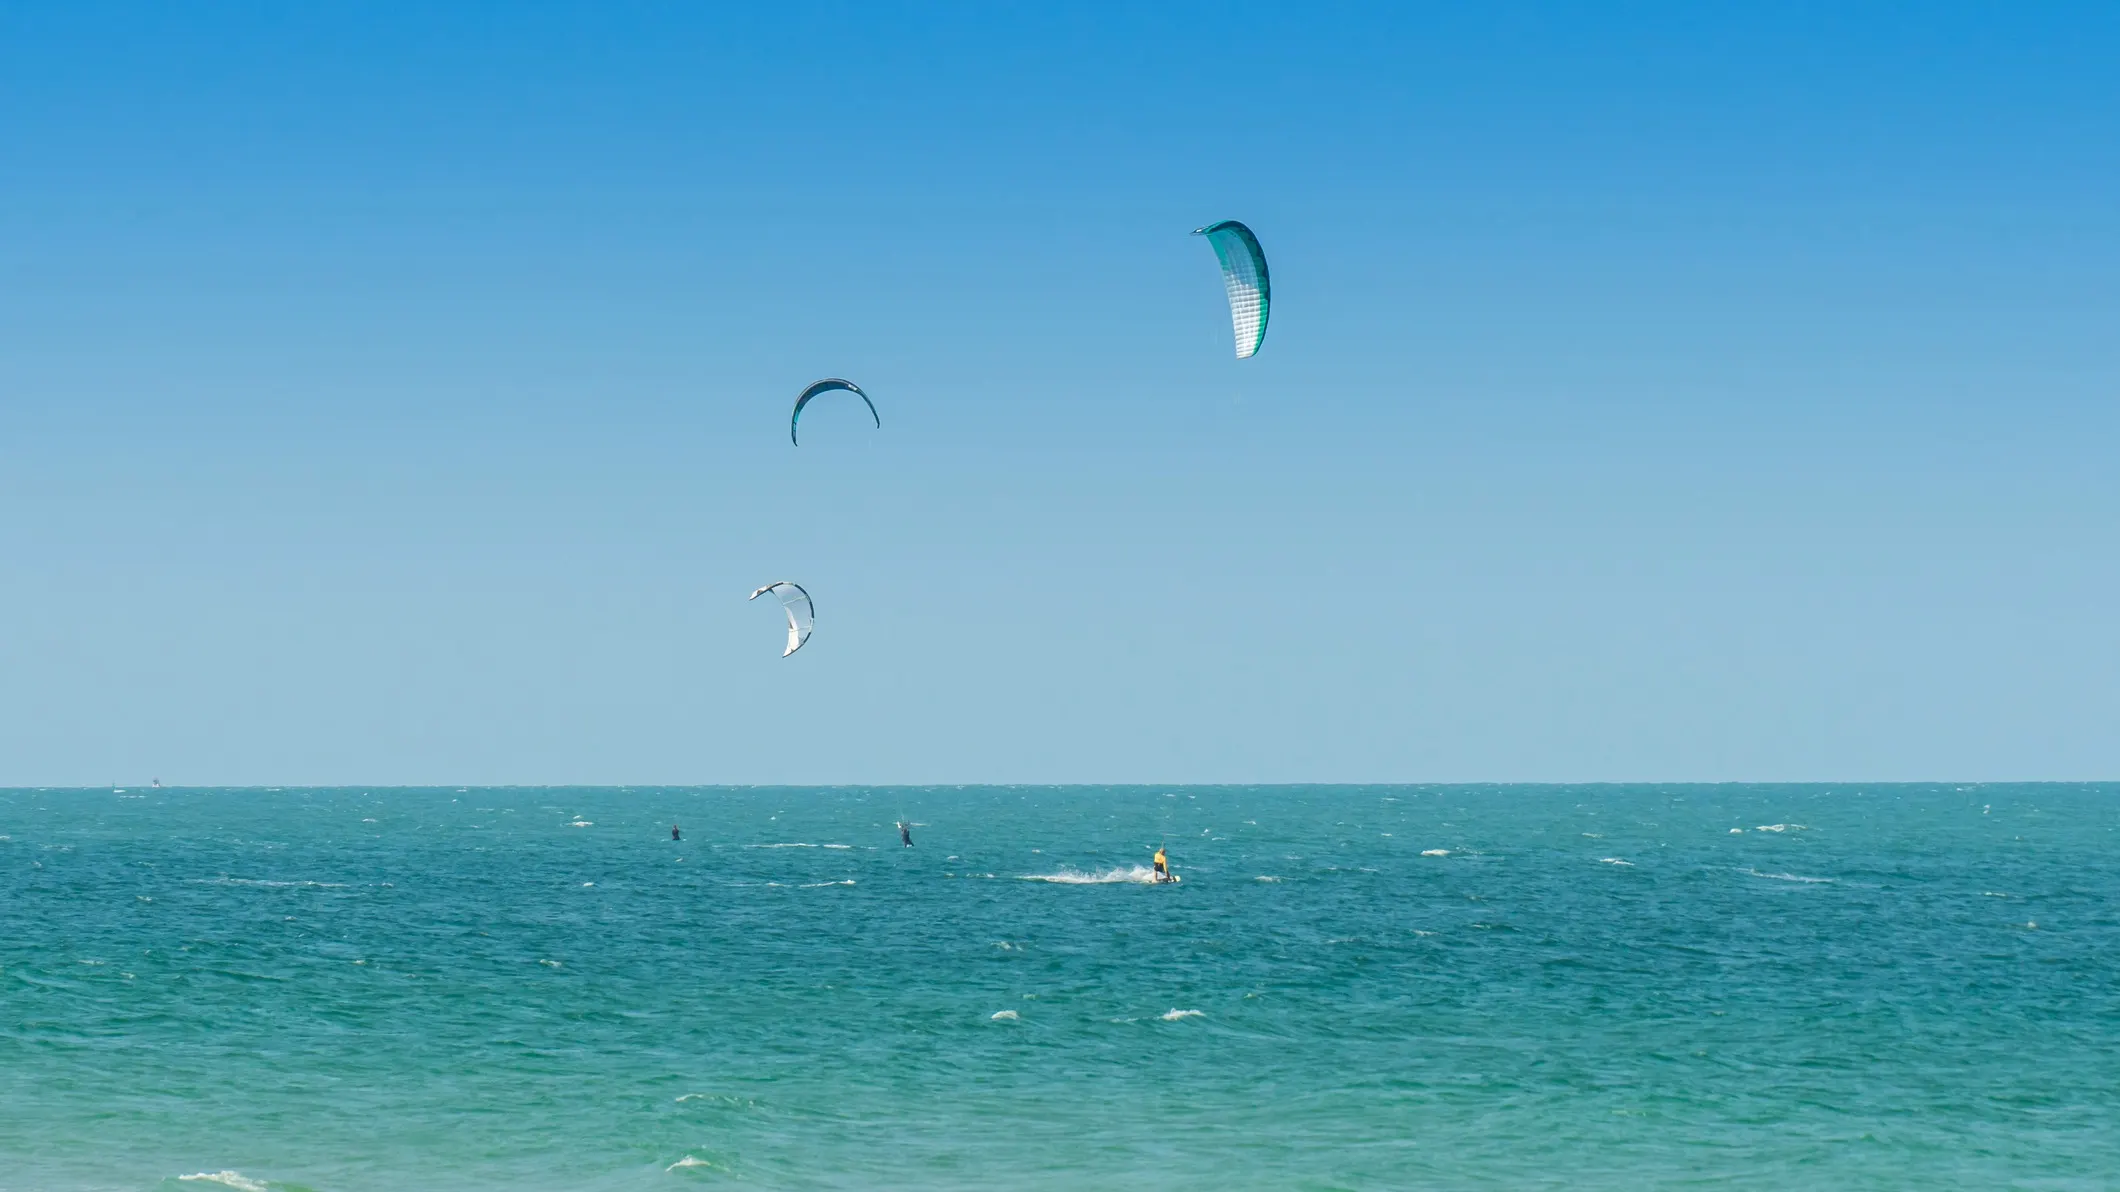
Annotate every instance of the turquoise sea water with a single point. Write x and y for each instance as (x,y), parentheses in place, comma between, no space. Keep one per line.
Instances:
(1353,987)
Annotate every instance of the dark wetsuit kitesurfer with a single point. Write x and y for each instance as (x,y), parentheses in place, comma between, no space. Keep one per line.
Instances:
(905,833)
(675,834)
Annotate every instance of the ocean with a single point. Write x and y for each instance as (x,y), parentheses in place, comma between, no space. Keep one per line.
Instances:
(1381,987)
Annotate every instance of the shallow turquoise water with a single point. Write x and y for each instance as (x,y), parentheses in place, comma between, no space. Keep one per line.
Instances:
(1594,987)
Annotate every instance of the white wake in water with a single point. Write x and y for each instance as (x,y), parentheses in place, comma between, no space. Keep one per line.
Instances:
(232,1179)
(1137,875)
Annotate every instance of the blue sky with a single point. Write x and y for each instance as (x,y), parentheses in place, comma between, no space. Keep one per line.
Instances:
(1653,392)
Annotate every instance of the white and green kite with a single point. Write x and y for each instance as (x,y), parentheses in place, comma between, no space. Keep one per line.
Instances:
(1244,276)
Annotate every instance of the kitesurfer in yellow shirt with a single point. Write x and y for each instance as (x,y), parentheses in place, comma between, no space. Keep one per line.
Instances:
(1162,865)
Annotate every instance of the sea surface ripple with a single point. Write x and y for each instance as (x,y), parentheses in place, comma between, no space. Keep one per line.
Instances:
(1754,987)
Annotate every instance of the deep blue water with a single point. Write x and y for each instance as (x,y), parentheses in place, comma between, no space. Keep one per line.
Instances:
(1353,987)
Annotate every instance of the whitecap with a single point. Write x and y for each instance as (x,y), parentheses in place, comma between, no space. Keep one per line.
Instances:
(1435,852)
(839,846)
(822,885)
(1737,831)
(688,1161)
(581,823)
(552,963)
(1138,874)
(1616,861)
(586,885)
(1265,878)
(1992,894)
(1176,1015)
(1790,877)
(232,1179)
(1005,1016)
(1781,828)
(797,844)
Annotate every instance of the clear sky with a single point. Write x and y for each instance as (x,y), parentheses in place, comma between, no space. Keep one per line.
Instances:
(398,393)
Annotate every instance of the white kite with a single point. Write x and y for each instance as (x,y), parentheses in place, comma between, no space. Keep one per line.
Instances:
(802,614)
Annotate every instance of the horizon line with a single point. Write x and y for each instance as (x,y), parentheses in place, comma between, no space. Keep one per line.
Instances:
(1592,782)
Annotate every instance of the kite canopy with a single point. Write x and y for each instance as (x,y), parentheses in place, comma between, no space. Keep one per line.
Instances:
(1244,276)
(795,602)
(826,386)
